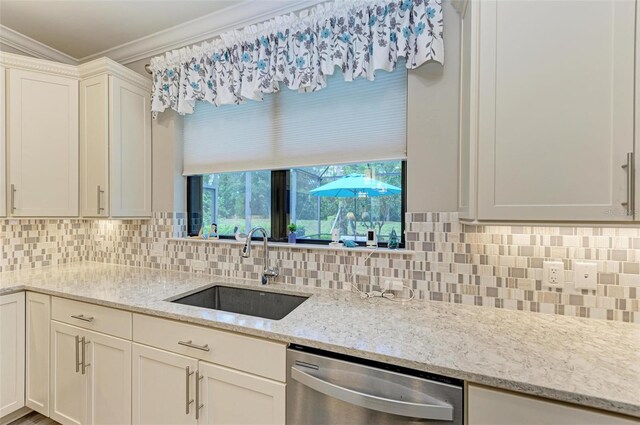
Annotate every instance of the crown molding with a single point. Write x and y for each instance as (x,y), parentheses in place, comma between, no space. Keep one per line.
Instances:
(33,47)
(245,13)
(11,60)
(108,66)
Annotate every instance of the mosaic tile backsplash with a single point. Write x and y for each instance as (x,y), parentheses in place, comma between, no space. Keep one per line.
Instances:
(485,265)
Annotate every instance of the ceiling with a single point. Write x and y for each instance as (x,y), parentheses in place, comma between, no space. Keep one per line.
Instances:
(86,29)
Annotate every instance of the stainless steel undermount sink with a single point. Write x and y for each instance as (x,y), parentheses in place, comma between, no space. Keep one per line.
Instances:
(252,302)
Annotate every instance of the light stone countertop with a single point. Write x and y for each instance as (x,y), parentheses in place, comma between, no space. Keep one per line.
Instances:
(589,362)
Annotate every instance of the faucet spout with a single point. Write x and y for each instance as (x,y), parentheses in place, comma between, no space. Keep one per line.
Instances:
(267,272)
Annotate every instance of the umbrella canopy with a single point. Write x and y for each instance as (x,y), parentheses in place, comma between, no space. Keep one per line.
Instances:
(355,186)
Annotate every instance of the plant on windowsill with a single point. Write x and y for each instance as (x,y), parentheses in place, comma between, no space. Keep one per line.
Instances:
(292,232)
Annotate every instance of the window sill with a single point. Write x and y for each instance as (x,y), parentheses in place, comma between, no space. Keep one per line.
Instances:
(305,246)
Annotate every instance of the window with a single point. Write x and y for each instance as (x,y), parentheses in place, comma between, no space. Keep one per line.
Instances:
(352,198)
(237,201)
(328,160)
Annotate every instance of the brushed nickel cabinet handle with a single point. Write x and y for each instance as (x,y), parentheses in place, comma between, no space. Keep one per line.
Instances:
(629,166)
(100,208)
(82,317)
(85,365)
(77,353)
(188,399)
(190,344)
(198,405)
(13,197)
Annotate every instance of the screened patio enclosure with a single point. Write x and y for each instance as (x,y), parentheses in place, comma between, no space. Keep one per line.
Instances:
(352,198)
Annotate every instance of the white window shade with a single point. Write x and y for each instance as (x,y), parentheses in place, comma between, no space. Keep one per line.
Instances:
(346,122)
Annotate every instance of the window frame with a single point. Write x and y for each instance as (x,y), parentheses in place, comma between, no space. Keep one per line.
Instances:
(280,208)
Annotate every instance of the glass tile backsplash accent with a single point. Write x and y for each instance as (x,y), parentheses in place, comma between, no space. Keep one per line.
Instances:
(485,265)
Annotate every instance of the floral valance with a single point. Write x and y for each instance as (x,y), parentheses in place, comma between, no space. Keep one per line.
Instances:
(299,51)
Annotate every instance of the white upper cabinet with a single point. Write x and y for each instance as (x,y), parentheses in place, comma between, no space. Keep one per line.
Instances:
(3,145)
(115,141)
(551,87)
(43,144)
(130,139)
(94,146)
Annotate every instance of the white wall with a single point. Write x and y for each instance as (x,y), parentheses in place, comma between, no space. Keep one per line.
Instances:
(433,125)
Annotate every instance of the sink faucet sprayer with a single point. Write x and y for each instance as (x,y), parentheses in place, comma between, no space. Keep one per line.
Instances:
(267,272)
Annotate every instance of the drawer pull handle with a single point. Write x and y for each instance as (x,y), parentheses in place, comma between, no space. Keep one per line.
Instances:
(82,317)
(190,344)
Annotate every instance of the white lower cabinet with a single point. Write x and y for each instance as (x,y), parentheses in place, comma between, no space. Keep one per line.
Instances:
(11,353)
(487,406)
(38,309)
(169,387)
(231,397)
(68,384)
(108,362)
(90,377)
(163,387)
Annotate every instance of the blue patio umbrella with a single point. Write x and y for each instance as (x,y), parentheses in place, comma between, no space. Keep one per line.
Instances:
(355,186)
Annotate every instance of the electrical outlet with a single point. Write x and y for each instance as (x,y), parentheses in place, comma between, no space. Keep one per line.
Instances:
(585,275)
(197,265)
(552,274)
(392,285)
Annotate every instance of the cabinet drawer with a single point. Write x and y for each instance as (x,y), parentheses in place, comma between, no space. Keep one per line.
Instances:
(249,354)
(91,316)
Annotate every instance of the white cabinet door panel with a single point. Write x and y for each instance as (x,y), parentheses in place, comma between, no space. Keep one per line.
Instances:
(43,144)
(11,353)
(38,318)
(555,109)
(130,140)
(94,147)
(494,407)
(68,384)
(161,387)
(109,379)
(231,397)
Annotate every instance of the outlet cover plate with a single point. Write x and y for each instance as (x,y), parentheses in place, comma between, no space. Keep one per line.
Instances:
(585,275)
(553,274)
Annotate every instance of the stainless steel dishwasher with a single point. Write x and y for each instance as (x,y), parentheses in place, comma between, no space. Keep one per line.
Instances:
(328,389)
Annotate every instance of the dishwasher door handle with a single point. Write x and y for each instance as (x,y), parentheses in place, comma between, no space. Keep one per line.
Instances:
(441,411)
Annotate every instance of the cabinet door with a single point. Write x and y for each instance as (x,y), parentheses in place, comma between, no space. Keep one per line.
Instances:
(3,145)
(37,352)
(494,407)
(94,147)
(231,397)
(555,109)
(109,379)
(163,387)
(11,353)
(68,384)
(43,144)
(130,142)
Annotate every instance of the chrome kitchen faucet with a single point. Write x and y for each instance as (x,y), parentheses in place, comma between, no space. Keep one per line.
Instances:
(267,272)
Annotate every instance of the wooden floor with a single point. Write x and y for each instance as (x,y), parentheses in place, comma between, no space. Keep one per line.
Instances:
(34,418)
